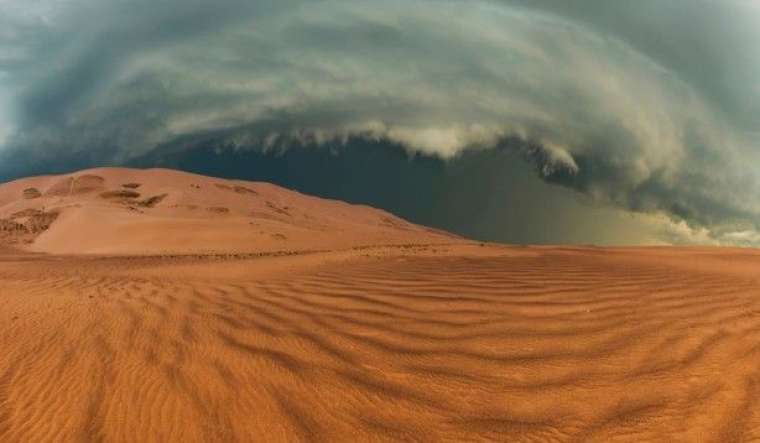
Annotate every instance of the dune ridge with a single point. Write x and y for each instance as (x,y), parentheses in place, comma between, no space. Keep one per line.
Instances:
(154,211)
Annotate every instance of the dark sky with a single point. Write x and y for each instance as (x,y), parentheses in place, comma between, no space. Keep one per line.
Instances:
(536,121)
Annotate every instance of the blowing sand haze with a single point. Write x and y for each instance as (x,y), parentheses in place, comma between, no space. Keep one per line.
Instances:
(162,306)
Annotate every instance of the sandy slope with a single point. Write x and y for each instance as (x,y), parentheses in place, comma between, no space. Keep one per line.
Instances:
(298,328)
(444,343)
(158,211)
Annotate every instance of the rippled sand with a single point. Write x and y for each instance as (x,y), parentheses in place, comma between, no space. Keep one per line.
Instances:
(427,343)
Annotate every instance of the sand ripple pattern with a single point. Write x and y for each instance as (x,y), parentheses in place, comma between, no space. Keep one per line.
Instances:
(556,346)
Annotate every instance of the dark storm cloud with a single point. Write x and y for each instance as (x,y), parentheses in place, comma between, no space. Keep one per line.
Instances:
(712,44)
(646,106)
(493,205)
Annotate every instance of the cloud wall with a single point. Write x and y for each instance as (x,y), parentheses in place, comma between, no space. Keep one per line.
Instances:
(611,101)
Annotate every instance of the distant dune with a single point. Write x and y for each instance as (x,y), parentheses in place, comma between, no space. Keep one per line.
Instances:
(160,211)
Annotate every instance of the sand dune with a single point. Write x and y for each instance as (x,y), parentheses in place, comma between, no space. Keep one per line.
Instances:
(160,211)
(428,343)
(199,309)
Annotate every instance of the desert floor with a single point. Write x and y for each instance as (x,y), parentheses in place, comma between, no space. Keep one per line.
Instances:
(437,343)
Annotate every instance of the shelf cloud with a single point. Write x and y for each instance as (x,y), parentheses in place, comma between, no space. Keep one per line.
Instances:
(647,107)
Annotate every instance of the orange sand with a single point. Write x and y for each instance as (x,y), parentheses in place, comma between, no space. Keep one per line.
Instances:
(160,211)
(451,341)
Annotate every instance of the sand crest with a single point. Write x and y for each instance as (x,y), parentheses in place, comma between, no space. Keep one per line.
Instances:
(159,211)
